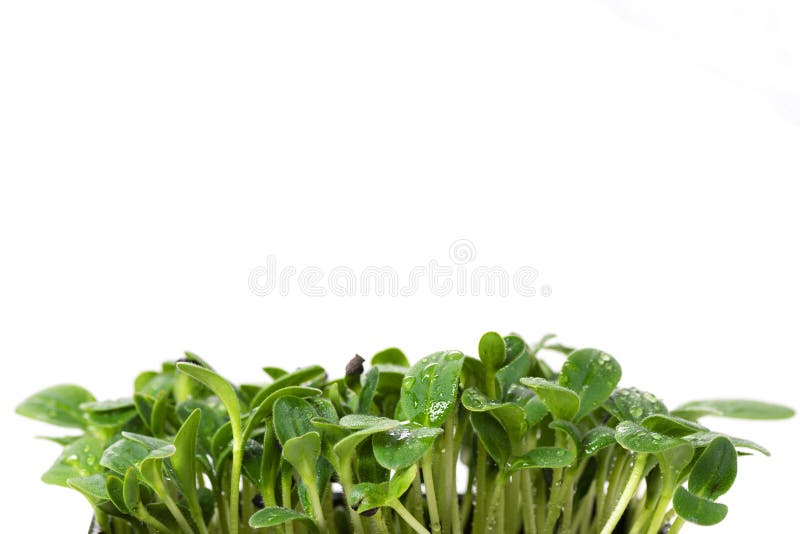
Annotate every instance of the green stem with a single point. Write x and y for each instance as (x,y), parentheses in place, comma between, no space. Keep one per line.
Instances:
(144,516)
(657,517)
(634,479)
(466,504)
(222,506)
(346,480)
(236,473)
(448,476)
(479,513)
(528,504)
(494,518)
(164,494)
(430,493)
(316,504)
(676,526)
(401,510)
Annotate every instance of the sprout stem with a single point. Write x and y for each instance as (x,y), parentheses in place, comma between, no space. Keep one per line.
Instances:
(630,488)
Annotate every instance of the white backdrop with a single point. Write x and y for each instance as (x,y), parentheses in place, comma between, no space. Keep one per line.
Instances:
(154,156)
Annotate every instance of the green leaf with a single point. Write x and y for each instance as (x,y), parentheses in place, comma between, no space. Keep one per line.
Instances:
(221,388)
(636,438)
(266,407)
(669,425)
(92,487)
(631,404)
(542,458)
(57,405)
(301,376)
(392,356)
(274,516)
(715,470)
(156,448)
(368,389)
(562,402)
(346,446)
(511,416)
(183,462)
(130,489)
(302,452)
(430,388)
(492,350)
(292,418)
(367,495)
(593,375)
(735,408)
(115,488)
(123,454)
(597,439)
(702,439)
(519,364)
(493,437)
(571,430)
(698,509)
(78,459)
(403,445)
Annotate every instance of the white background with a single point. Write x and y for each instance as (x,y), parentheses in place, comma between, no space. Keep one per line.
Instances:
(152,155)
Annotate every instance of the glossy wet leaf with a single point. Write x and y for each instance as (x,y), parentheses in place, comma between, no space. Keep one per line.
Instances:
(518,364)
(346,446)
(542,458)
(737,408)
(670,425)
(57,405)
(403,445)
(702,439)
(560,401)
(430,388)
(80,458)
(698,510)
(368,495)
(593,375)
(631,404)
(116,492)
(492,436)
(123,454)
(571,430)
(274,516)
(715,470)
(597,439)
(292,418)
(492,350)
(511,416)
(156,448)
(636,438)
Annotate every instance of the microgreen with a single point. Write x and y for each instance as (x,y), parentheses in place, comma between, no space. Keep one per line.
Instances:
(377,450)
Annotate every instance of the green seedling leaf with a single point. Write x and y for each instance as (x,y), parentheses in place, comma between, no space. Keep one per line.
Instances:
(266,407)
(698,510)
(301,376)
(430,388)
(345,447)
(669,425)
(597,439)
(493,437)
(130,489)
(403,445)
(511,416)
(368,389)
(535,410)
(715,470)
(631,404)
(115,488)
(221,388)
(492,351)
(636,438)
(390,356)
(275,372)
(292,418)
(274,516)
(593,375)
(473,373)
(543,458)
(108,405)
(158,417)
(734,408)
(123,454)
(92,487)
(156,448)
(518,366)
(78,459)
(57,405)
(183,462)
(302,452)
(703,439)
(368,496)
(560,401)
